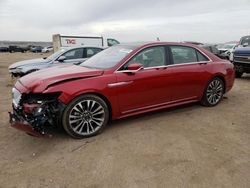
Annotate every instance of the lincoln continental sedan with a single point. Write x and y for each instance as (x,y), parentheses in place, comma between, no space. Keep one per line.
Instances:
(121,81)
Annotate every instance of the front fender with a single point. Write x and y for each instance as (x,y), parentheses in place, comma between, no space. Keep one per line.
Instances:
(72,89)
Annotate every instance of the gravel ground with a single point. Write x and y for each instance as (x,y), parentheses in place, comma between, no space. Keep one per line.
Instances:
(188,146)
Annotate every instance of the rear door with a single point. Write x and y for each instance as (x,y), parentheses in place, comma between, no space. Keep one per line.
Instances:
(189,72)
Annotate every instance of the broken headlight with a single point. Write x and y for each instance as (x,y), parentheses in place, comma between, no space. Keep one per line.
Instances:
(16,97)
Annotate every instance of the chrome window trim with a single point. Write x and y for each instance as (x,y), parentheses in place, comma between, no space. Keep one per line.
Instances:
(157,67)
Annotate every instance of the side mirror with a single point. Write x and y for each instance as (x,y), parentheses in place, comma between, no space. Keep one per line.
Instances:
(77,63)
(134,67)
(61,58)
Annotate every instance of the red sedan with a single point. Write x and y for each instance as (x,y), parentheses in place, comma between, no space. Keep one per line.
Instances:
(121,81)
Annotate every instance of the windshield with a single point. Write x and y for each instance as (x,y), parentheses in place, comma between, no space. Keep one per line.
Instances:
(108,58)
(245,41)
(56,54)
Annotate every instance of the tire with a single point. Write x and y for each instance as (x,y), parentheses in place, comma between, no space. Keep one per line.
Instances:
(213,93)
(238,74)
(85,116)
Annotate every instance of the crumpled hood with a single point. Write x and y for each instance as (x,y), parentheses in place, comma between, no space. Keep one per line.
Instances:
(40,80)
(28,62)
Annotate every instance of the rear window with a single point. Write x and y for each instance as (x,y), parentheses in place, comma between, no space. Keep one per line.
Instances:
(184,54)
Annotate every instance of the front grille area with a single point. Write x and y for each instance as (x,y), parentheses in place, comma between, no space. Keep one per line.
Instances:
(242,59)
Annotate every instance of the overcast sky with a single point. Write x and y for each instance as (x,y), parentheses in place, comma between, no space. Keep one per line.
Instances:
(126,20)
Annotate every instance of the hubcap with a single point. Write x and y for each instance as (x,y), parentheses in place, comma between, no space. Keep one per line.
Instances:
(86,117)
(214,92)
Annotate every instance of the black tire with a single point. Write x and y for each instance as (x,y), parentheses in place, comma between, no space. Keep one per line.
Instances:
(238,74)
(213,93)
(82,116)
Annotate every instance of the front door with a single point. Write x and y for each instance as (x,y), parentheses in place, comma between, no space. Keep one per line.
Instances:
(147,87)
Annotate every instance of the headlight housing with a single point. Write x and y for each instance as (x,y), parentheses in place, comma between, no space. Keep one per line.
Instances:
(16,97)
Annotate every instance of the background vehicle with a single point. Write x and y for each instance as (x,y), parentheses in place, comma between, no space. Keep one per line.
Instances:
(121,81)
(75,55)
(47,49)
(36,49)
(213,49)
(4,49)
(241,57)
(13,49)
(226,49)
(73,41)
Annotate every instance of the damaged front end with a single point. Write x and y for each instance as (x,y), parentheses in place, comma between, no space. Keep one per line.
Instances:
(35,114)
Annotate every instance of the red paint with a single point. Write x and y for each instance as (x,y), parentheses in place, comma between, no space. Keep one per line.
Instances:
(28,129)
(147,90)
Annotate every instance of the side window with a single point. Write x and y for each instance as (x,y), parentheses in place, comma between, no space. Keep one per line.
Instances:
(201,57)
(150,57)
(92,51)
(74,54)
(183,54)
(112,42)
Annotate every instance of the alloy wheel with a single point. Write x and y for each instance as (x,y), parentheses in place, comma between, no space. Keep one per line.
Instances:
(86,117)
(214,91)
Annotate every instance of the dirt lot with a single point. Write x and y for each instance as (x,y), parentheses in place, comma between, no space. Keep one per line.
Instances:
(189,146)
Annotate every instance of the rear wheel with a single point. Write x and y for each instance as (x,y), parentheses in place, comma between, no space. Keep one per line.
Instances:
(85,116)
(238,74)
(213,92)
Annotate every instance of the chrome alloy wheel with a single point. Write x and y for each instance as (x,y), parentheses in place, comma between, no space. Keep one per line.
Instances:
(215,91)
(86,117)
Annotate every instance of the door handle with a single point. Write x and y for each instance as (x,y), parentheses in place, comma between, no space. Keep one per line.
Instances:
(203,63)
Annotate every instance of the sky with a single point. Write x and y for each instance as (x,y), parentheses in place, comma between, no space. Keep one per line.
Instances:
(212,21)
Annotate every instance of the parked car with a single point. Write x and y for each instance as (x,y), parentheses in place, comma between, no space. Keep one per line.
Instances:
(121,81)
(47,49)
(241,57)
(4,49)
(36,49)
(227,49)
(75,55)
(13,49)
(213,49)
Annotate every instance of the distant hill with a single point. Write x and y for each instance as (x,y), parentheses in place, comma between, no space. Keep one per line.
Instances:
(24,43)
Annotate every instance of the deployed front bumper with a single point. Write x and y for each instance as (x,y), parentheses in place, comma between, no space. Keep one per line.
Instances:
(20,124)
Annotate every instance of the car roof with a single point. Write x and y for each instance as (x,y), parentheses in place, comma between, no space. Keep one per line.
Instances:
(147,44)
(75,47)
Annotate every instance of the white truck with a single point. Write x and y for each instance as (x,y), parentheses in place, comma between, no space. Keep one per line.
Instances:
(73,41)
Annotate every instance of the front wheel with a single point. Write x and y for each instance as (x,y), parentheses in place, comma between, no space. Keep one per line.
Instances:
(213,93)
(85,116)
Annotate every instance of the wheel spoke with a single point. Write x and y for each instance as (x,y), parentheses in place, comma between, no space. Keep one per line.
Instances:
(90,125)
(97,123)
(76,109)
(92,105)
(98,113)
(79,125)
